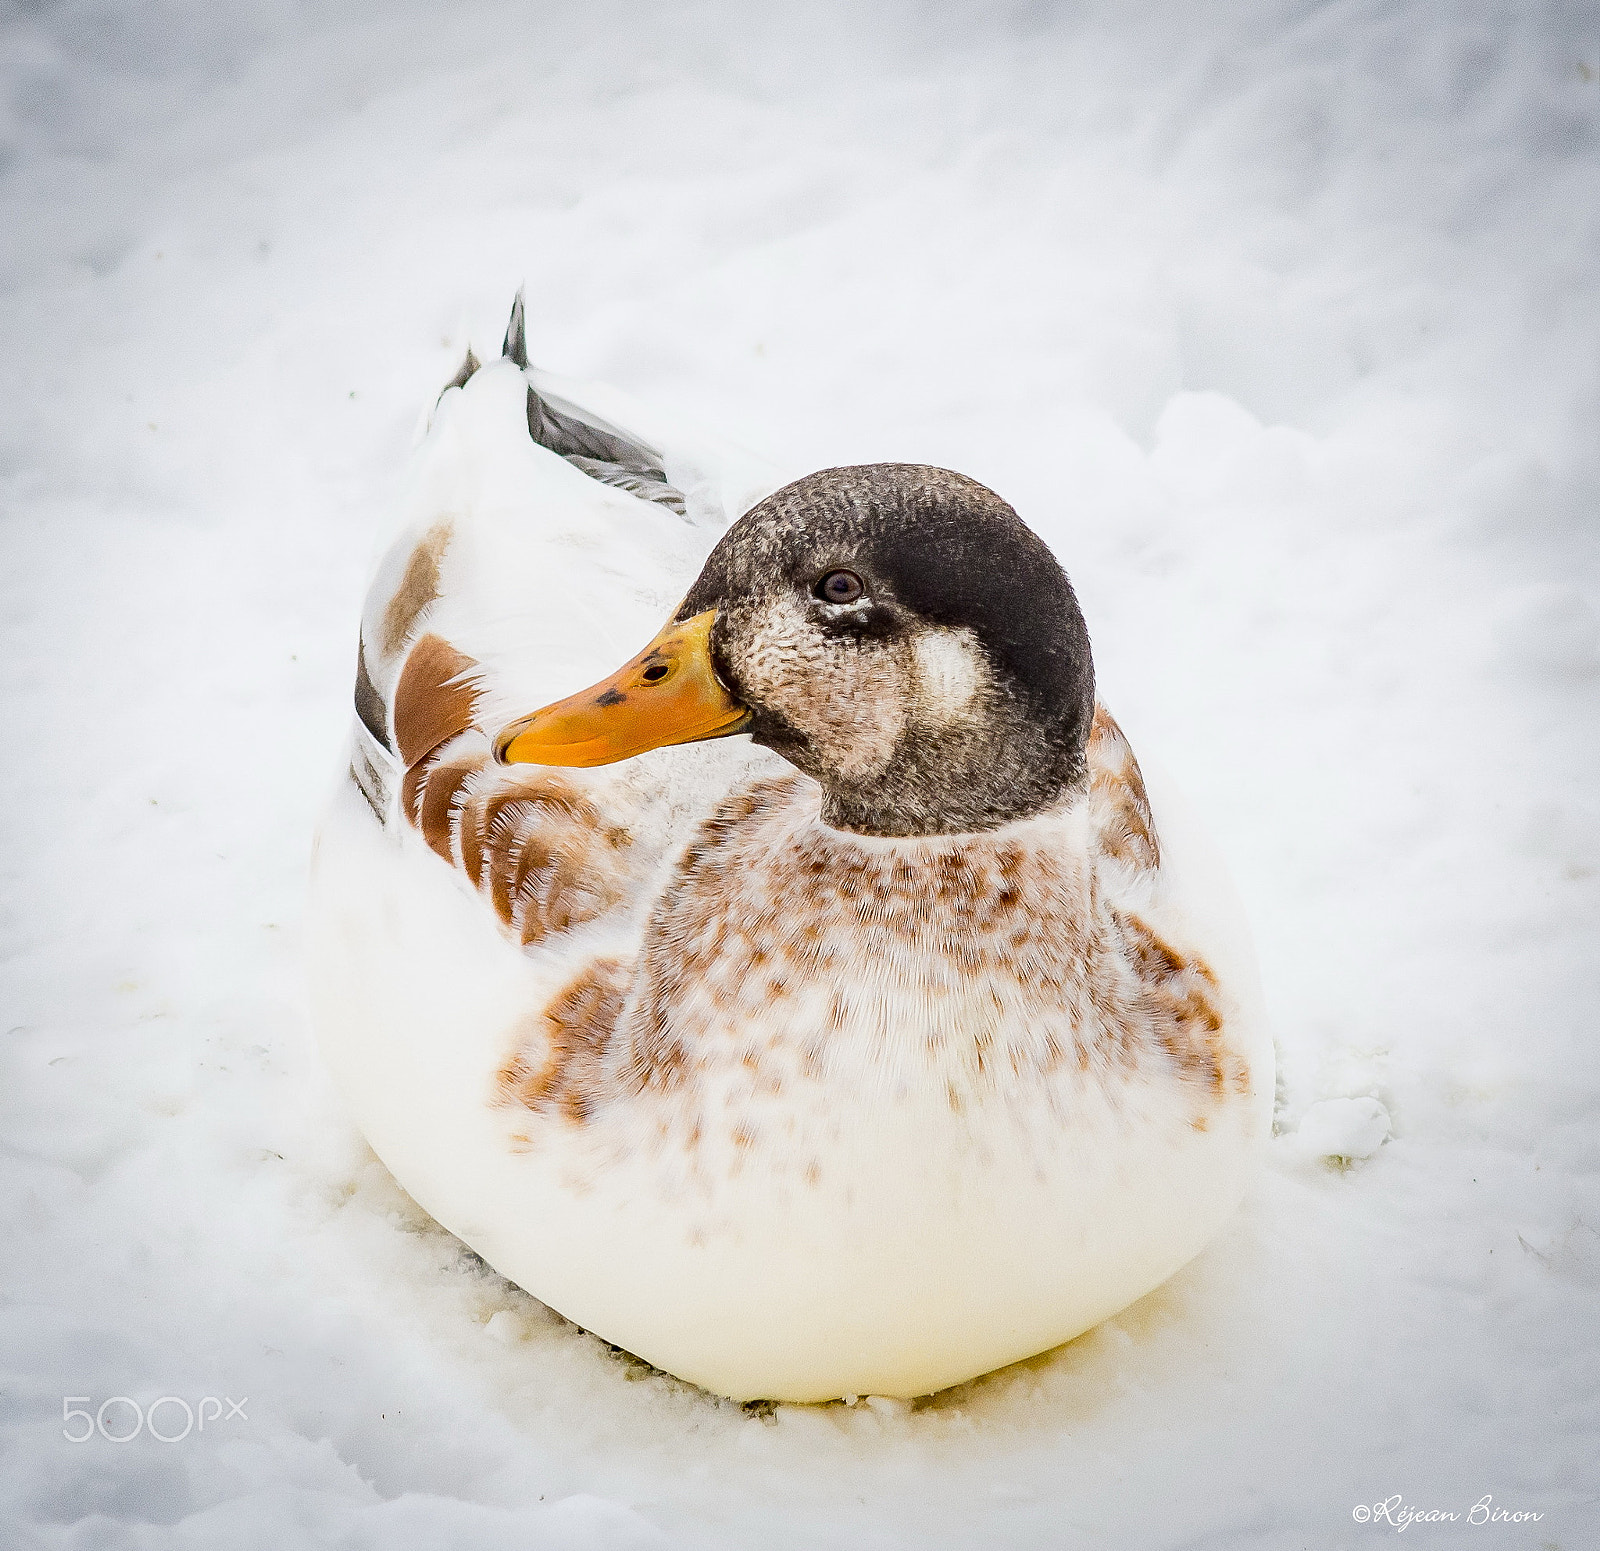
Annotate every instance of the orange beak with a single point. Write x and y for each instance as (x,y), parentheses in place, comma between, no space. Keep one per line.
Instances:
(669,693)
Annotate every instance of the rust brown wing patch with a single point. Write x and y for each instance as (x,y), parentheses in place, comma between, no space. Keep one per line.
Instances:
(1116,789)
(534,843)
(543,852)
(435,700)
(557,1064)
(442,792)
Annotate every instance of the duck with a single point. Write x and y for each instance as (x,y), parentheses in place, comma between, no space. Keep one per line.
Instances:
(824,1003)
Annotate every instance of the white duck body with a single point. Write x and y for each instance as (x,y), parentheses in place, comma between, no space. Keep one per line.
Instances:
(789,1111)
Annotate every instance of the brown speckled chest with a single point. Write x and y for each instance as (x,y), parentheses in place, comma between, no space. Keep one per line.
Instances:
(785,954)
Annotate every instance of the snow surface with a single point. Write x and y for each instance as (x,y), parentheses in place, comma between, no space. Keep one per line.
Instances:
(1279,321)
(1343,1130)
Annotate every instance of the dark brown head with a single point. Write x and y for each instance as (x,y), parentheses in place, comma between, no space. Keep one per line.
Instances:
(895,631)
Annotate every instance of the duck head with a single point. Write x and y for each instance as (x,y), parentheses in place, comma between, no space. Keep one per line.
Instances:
(894,631)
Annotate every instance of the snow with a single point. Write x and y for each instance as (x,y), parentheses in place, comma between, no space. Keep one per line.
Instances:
(1277,320)
(1343,1130)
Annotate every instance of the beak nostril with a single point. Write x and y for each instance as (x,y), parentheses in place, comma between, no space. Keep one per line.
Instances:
(656,672)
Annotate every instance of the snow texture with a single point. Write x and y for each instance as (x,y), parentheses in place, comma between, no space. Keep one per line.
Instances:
(1343,1130)
(1277,319)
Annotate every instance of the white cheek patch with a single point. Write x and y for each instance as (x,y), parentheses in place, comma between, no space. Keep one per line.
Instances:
(849,704)
(949,672)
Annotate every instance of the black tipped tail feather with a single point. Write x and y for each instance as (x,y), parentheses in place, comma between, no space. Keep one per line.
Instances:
(515,347)
(607,455)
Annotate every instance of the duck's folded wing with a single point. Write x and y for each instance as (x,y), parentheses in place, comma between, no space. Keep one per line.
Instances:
(540,540)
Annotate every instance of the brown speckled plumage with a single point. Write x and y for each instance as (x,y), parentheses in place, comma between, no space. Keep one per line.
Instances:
(758,905)
(767,899)
(555,1067)
(1123,824)
(418,588)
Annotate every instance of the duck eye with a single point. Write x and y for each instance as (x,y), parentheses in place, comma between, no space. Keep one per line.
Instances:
(839,587)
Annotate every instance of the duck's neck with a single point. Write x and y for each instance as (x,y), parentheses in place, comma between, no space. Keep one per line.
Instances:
(962,780)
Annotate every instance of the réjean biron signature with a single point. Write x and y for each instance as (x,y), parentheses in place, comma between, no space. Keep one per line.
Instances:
(1400,1514)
